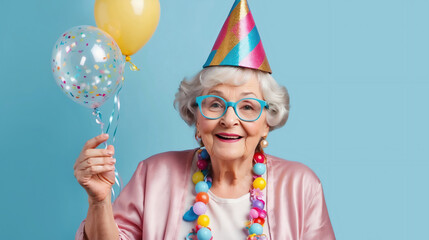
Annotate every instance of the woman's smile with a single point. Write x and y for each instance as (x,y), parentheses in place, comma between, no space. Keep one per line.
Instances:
(228,137)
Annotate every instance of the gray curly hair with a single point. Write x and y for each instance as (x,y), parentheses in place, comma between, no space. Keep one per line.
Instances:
(275,95)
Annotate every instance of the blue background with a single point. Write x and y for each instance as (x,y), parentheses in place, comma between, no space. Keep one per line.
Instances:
(358,77)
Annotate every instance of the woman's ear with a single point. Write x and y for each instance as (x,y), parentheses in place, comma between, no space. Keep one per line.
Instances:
(198,137)
(266,130)
(197,131)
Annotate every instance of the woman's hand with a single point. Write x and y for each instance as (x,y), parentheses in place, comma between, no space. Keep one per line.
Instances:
(95,169)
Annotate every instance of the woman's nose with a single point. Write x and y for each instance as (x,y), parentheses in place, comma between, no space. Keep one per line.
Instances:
(229,118)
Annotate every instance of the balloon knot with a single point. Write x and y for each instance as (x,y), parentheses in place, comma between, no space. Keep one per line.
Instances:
(133,67)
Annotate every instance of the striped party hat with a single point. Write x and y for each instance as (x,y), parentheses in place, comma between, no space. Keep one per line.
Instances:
(238,43)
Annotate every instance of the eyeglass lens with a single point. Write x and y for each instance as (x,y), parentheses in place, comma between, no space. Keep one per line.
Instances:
(246,109)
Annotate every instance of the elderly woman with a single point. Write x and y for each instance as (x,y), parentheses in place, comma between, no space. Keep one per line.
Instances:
(227,189)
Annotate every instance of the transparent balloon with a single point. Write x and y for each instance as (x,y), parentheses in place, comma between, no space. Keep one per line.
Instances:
(88,65)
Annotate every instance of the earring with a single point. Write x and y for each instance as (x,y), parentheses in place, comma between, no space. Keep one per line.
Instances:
(264,143)
(199,140)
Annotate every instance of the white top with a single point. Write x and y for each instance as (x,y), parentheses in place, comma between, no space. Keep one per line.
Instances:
(228,217)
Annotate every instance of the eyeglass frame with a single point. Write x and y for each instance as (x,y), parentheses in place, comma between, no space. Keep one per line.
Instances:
(199,100)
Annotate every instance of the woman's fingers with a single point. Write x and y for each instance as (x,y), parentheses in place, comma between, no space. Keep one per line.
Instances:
(94,169)
(84,176)
(111,148)
(90,153)
(97,169)
(96,161)
(94,142)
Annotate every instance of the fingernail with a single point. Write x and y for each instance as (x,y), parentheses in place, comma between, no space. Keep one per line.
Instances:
(114,160)
(105,135)
(110,152)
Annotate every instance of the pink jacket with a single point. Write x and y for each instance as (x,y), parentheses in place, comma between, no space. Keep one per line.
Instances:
(150,206)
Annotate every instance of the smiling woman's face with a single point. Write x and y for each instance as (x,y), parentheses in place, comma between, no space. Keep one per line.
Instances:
(229,138)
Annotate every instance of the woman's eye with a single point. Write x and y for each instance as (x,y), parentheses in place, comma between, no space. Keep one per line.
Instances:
(215,105)
(247,107)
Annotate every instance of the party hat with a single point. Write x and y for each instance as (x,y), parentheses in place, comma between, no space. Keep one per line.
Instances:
(239,43)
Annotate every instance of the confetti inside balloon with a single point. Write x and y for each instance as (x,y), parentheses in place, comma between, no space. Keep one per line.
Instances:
(87,64)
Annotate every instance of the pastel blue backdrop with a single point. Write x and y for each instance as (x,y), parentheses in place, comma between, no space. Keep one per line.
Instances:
(358,77)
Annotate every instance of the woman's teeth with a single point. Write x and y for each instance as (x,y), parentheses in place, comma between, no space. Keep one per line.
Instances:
(228,137)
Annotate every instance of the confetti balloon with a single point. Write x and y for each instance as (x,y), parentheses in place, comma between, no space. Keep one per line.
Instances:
(88,66)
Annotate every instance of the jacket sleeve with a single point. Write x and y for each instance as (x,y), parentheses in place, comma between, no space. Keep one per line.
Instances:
(317,225)
(127,208)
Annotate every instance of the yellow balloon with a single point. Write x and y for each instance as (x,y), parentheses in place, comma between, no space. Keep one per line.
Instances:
(130,22)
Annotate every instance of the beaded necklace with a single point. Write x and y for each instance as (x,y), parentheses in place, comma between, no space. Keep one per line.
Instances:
(203,183)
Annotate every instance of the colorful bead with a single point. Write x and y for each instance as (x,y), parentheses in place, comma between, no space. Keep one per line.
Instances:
(254,213)
(190,216)
(197,177)
(204,154)
(202,164)
(204,234)
(257,237)
(203,220)
(259,168)
(202,197)
(199,208)
(198,227)
(262,237)
(259,183)
(201,187)
(256,228)
(256,193)
(259,157)
(262,214)
(259,220)
(251,237)
(258,204)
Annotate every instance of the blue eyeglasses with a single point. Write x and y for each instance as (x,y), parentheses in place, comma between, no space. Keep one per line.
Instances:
(247,109)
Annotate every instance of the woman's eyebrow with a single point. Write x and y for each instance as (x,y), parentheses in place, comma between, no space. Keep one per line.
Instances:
(215,92)
(248,93)
(220,94)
